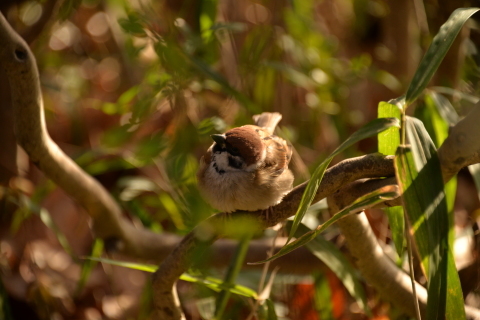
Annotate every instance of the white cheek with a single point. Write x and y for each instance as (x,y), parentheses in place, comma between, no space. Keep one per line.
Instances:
(221,159)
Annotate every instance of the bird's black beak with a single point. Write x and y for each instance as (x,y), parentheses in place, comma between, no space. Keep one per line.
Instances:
(219,138)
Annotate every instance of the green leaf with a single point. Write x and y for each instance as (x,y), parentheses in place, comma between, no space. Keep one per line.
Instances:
(131,265)
(87,266)
(420,179)
(232,273)
(215,76)
(366,201)
(444,108)
(67,8)
(437,113)
(210,282)
(271,315)
(62,239)
(370,129)
(335,260)
(133,25)
(388,142)
(323,297)
(436,52)
(435,125)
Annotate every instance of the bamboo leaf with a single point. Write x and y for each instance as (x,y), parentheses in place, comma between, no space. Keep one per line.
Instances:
(370,129)
(336,261)
(420,179)
(232,273)
(388,142)
(87,266)
(436,52)
(210,282)
(475,172)
(437,113)
(444,108)
(366,201)
(271,315)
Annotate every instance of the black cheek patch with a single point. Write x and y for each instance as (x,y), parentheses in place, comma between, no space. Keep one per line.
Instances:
(217,148)
(234,163)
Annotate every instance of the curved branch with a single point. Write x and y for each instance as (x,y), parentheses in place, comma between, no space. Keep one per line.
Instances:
(458,150)
(462,148)
(19,65)
(377,268)
(345,172)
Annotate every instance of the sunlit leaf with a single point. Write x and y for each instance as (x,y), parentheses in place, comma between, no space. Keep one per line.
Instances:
(210,282)
(437,113)
(436,52)
(475,172)
(234,268)
(88,265)
(388,141)
(444,107)
(420,179)
(366,201)
(370,129)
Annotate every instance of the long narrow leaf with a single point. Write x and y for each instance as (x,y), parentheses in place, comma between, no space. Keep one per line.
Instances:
(87,266)
(336,261)
(210,282)
(475,172)
(437,51)
(437,114)
(388,142)
(232,273)
(271,315)
(444,108)
(368,200)
(420,179)
(370,129)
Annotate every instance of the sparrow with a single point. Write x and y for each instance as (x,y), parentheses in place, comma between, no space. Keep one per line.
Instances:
(246,168)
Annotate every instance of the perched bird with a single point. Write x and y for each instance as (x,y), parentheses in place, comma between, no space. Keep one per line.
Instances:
(246,168)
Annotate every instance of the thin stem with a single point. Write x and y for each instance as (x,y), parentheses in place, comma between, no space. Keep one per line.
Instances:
(421,16)
(403,129)
(263,276)
(232,274)
(410,264)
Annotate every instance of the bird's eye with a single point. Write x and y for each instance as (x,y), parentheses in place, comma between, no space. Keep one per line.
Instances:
(233,151)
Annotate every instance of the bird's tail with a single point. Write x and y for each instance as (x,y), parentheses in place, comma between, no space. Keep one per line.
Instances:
(267,120)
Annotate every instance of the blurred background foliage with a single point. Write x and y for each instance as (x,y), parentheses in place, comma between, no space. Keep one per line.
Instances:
(133,90)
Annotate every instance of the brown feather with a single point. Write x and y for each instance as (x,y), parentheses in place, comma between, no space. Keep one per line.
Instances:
(267,120)
(247,141)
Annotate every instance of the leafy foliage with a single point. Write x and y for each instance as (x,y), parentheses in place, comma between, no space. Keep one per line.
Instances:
(133,92)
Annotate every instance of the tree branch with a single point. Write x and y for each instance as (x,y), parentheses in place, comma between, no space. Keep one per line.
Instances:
(20,67)
(345,172)
(461,148)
